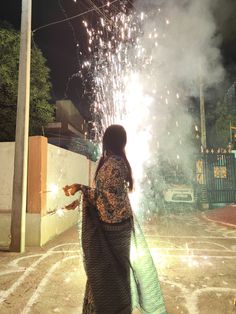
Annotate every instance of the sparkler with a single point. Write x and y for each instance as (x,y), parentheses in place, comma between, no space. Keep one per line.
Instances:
(60,212)
(53,189)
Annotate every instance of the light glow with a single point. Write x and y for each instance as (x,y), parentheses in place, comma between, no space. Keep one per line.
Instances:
(53,188)
(60,212)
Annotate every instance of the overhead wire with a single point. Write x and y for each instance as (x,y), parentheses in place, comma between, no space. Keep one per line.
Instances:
(97,9)
(71,17)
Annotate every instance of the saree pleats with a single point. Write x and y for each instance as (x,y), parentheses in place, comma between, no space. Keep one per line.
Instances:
(121,275)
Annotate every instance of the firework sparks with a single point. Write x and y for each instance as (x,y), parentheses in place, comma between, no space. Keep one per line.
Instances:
(121,67)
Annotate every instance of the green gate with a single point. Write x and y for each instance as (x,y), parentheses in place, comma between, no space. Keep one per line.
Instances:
(219,177)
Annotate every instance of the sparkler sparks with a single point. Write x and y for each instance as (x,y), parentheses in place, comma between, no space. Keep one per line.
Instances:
(60,212)
(53,189)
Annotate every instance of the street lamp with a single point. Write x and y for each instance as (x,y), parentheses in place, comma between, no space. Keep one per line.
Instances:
(22,129)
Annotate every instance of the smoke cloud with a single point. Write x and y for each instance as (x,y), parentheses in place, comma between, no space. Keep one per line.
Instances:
(190,47)
(182,41)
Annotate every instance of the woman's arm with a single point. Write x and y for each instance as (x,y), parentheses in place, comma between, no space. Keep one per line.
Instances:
(72,205)
(87,191)
(71,189)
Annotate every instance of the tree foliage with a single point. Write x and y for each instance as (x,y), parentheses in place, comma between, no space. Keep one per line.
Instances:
(41,112)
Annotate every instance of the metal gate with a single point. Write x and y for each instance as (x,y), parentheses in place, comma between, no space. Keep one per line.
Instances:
(219,177)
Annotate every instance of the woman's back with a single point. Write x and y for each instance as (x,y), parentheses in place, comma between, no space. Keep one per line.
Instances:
(112,192)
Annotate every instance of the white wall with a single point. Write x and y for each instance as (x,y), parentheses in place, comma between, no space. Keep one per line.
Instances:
(64,167)
(39,230)
(6,174)
(52,225)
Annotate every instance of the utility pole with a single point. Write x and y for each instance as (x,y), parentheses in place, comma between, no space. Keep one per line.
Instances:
(202,111)
(22,131)
(204,196)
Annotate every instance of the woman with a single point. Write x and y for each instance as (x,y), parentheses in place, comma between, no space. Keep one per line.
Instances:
(120,272)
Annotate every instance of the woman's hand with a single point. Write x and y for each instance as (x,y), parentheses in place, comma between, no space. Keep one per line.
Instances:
(72,205)
(71,189)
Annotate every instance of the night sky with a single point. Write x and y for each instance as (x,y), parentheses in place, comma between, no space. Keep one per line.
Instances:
(58,43)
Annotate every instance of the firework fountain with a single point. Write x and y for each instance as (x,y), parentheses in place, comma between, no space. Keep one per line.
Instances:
(142,60)
(123,86)
(145,68)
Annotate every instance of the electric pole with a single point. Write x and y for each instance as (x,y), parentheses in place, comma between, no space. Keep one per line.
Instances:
(19,196)
(202,112)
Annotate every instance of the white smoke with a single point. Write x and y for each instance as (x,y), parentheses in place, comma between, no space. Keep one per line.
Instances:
(190,48)
(183,41)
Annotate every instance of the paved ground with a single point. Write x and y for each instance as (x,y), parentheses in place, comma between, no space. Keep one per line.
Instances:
(224,216)
(196,261)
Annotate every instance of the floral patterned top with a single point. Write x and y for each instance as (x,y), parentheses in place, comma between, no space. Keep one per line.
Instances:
(111,193)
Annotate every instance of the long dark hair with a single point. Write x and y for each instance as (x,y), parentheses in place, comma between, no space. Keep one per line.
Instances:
(113,143)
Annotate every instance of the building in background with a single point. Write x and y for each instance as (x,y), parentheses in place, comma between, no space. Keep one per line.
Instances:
(70,130)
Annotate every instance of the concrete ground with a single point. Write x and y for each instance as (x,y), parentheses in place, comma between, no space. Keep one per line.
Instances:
(196,262)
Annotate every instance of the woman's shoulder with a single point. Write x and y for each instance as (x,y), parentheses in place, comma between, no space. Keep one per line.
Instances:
(116,159)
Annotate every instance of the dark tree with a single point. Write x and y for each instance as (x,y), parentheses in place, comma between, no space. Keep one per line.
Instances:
(41,112)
